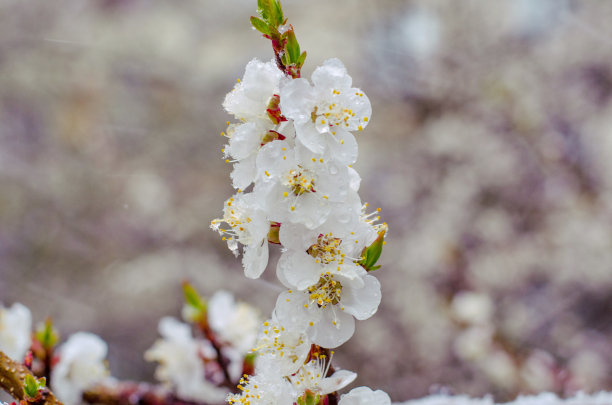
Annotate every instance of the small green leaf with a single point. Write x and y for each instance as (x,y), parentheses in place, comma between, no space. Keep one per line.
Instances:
(47,335)
(265,10)
(279,19)
(192,298)
(260,25)
(301,59)
(31,386)
(292,46)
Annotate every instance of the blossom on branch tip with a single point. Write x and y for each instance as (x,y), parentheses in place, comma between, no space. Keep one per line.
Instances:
(250,97)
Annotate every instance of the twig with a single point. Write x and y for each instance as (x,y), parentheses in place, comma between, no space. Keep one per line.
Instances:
(132,393)
(12,380)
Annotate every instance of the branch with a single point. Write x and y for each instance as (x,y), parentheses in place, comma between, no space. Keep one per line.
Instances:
(12,380)
(130,393)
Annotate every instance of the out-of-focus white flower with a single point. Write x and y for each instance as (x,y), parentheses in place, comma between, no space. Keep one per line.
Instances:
(365,396)
(15,331)
(474,343)
(234,322)
(250,97)
(285,349)
(182,365)
(81,364)
(472,308)
(325,113)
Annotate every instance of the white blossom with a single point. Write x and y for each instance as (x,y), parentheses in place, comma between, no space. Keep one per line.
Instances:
(365,396)
(181,359)
(312,377)
(250,97)
(325,112)
(249,227)
(236,323)
(15,331)
(81,364)
(268,388)
(299,188)
(280,347)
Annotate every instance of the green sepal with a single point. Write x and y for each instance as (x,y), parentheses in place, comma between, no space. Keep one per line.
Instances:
(260,25)
(292,47)
(372,253)
(309,398)
(47,335)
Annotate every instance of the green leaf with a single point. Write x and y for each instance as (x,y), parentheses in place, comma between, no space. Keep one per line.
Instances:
(31,386)
(279,19)
(301,59)
(292,46)
(265,10)
(47,335)
(192,298)
(260,25)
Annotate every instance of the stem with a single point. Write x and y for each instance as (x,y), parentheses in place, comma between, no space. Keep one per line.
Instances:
(221,359)
(12,380)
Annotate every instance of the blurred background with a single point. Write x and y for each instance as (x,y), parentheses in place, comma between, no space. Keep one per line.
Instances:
(489,151)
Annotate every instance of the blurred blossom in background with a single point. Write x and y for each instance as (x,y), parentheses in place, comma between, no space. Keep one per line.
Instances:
(489,152)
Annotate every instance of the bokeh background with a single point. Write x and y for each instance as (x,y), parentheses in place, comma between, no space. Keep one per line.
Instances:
(489,152)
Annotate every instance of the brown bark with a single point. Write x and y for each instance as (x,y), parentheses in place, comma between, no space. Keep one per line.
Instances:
(12,380)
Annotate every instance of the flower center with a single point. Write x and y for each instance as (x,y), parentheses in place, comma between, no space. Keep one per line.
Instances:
(327,249)
(326,291)
(300,181)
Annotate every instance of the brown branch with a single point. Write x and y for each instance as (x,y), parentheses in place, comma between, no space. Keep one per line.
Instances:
(12,380)
(130,393)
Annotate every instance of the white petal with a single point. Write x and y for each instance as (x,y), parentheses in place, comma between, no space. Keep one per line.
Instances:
(343,147)
(245,139)
(244,173)
(365,396)
(298,269)
(362,303)
(290,310)
(307,134)
(332,75)
(255,259)
(336,381)
(297,100)
(296,236)
(328,334)
(354,179)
